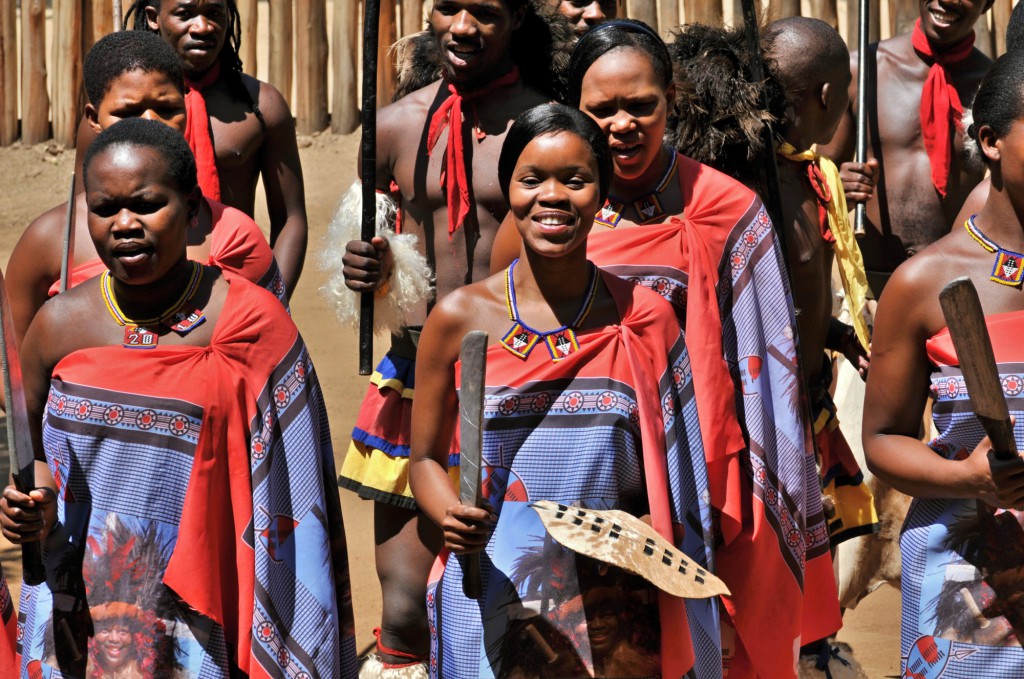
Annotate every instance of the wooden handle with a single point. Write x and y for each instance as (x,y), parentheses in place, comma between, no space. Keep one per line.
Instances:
(368,152)
(861,153)
(966,322)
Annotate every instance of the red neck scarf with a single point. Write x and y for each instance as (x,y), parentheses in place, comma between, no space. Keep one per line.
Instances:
(197,132)
(454,174)
(941,109)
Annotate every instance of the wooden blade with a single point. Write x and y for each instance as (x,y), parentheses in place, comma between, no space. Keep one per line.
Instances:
(21,460)
(622,540)
(68,257)
(966,322)
(473,358)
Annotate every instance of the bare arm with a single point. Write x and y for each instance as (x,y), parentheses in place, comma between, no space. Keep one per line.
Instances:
(281,170)
(507,245)
(896,393)
(434,414)
(33,267)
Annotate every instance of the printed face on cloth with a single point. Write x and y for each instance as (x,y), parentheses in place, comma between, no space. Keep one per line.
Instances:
(623,95)
(947,23)
(138,215)
(139,94)
(196,29)
(475,37)
(585,14)
(554,193)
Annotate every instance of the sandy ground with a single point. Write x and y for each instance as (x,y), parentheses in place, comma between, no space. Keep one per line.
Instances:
(34,179)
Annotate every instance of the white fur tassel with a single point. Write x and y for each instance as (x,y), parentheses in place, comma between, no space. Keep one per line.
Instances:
(411,279)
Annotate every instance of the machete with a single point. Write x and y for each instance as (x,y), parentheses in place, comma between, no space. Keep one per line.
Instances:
(473,358)
(21,460)
(966,322)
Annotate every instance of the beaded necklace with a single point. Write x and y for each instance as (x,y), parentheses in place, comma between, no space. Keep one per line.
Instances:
(521,338)
(142,333)
(1007,269)
(649,207)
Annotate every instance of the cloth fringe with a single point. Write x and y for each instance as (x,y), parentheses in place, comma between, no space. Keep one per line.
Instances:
(373,668)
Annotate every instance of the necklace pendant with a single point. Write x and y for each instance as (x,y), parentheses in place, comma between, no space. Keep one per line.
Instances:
(185,320)
(520,341)
(138,337)
(1007,269)
(610,215)
(561,344)
(649,208)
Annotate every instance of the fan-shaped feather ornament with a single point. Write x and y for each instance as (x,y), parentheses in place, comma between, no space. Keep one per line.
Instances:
(619,539)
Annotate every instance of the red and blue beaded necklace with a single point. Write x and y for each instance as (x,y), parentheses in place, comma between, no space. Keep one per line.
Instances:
(561,342)
(1009,266)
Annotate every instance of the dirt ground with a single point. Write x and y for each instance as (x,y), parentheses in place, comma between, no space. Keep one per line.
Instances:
(35,179)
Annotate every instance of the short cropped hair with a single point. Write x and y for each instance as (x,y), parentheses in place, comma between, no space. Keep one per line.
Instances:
(552,119)
(118,53)
(611,35)
(138,132)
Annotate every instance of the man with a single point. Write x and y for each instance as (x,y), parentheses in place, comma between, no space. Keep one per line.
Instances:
(923,80)
(240,129)
(437,155)
(585,14)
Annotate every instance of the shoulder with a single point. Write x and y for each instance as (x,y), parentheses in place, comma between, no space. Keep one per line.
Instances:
(705,189)
(416,103)
(46,227)
(271,102)
(912,293)
(227,217)
(640,306)
(76,308)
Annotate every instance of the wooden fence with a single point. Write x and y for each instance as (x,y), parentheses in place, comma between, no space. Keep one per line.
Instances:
(313,48)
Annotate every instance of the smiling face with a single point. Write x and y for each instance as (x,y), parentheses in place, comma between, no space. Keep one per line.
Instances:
(624,95)
(196,29)
(139,94)
(114,643)
(138,216)
(475,37)
(554,193)
(585,14)
(947,22)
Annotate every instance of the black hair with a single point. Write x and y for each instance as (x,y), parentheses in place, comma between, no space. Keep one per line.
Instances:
(807,51)
(540,48)
(1015,29)
(230,62)
(1000,98)
(118,53)
(611,35)
(553,118)
(135,132)
(718,117)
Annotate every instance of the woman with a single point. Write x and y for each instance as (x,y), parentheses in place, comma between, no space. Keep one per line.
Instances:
(131,74)
(704,242)
(587,414)
(962,556)
(183,454)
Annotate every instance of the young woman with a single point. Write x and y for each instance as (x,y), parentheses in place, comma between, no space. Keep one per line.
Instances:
(185,478)
(704,242)
(586,375)
(962,545)
(131,75)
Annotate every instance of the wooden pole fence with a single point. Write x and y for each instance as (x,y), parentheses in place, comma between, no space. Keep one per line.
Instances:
(35,102)
(345,62)
(280,46)
(248,12)
(311,66)
(8,73)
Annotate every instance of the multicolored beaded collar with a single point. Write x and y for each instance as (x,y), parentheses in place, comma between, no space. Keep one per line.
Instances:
(1009,266)
(141,333)
(561,342)
(649,207)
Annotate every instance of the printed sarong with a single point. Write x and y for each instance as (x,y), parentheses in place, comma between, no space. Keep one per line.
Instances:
(604,428)
(237,246)
(962,560)
(720,266)
(199,529)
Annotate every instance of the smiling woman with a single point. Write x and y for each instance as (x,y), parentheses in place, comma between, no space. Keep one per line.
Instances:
(574,349)
(176,382)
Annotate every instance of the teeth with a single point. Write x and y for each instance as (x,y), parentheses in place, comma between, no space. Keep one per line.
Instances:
(552,221)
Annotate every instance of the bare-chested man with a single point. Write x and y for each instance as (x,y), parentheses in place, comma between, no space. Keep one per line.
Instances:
(250,126)
(921,185)
(453,203)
